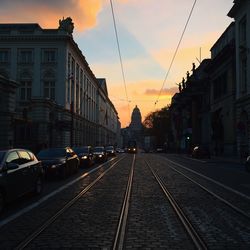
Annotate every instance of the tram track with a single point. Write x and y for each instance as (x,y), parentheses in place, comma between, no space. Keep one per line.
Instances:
(37,232)
(150,221)
(25,242)
(190,229)
(219,222)
(209,191)
(137,202)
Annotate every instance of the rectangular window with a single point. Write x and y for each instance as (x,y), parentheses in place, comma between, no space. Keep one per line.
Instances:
(49,90)
(4,56)
(25,56)
(25,90)
(49,55)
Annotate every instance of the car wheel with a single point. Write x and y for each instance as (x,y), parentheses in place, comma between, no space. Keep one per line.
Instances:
(2,201)
(39,185)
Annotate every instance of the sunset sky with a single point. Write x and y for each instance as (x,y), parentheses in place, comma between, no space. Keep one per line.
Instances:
(148,32)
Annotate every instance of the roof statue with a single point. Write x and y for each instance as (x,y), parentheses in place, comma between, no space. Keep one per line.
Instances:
(67,25)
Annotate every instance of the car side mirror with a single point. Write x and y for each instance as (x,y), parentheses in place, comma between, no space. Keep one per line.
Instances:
(12,166)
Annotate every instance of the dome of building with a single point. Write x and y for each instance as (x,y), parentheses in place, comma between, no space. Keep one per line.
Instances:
(136,123)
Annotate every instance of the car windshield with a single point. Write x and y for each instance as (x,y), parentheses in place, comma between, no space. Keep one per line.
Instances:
(52,153)
(110,148)
(2,153)
(81,150)
(98,149)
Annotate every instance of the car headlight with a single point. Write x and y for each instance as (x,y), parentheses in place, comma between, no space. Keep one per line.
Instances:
(54,166)
(100,156)
(85,157)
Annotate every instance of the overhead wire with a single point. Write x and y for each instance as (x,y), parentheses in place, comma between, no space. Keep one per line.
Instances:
(119,52)
(175,53)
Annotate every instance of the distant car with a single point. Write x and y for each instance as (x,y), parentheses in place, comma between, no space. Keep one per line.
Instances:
(20,173)
(132,147)
(120,150)
(59,161)
(85,155)
(247,164)
(100,154)
(159,150)
(110,151)
(200,152)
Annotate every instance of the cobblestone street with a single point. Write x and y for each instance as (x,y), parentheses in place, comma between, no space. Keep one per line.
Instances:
(86,214)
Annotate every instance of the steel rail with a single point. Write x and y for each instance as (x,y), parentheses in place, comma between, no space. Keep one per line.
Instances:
(229,204)
(121,227)
(195,237)
(46,224)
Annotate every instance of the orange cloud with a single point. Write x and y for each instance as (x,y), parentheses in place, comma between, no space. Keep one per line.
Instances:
(47,13)
(164,92)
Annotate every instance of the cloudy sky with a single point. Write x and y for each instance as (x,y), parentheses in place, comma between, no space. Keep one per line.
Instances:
(148,32)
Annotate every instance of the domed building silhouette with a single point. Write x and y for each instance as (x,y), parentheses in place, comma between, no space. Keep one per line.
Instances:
(135,129)
(136,124)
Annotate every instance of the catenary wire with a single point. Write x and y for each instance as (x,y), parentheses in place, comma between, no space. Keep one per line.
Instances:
(119,51)
(175,53)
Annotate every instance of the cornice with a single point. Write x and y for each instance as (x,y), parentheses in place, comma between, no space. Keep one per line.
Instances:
(34,37)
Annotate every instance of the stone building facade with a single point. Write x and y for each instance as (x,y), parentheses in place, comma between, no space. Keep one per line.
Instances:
(241,14)
(59,100)
(221,71)
(227,113)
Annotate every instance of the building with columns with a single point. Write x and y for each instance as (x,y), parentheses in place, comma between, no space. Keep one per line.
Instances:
(241,14)
(59,100)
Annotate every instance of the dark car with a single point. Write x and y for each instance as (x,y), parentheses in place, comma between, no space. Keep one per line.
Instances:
(247,164)
(20,173)
(159,149)
(120,150)
(59,161)
(132,147)
(100,154)
(200,152)
(85,155)
(110,150)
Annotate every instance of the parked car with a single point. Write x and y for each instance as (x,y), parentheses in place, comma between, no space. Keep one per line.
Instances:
(100,154)
(247,164)
(120,150)
(59,161)
(85,155)
(20,173)
(110,150)
(200,152)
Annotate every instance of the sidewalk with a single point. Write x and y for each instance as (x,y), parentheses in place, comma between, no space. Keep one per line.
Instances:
(232,159)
